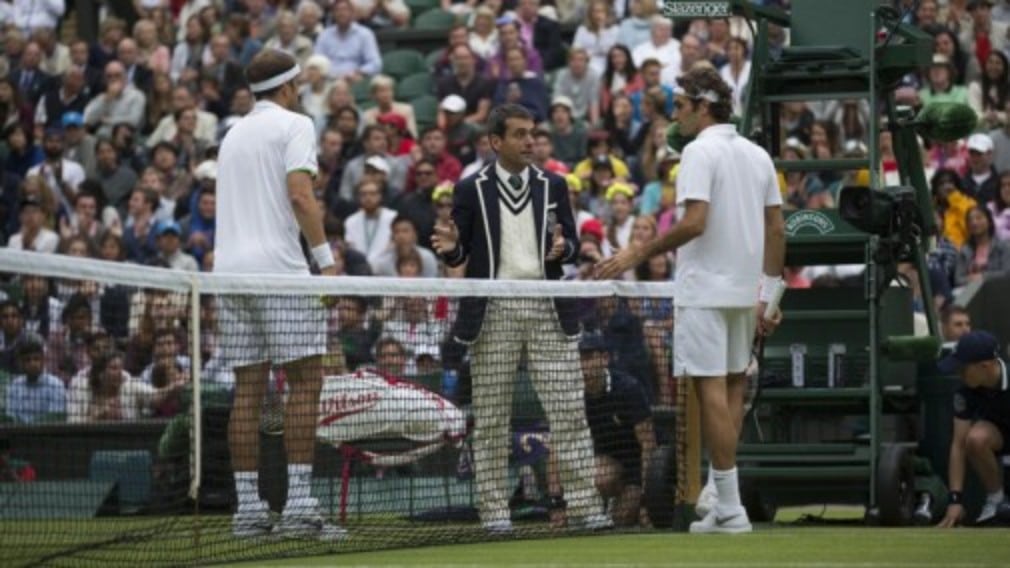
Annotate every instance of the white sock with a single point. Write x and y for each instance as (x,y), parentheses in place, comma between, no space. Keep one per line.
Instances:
(727,487)
(995,498)
(247,489)
(711,477)
(299,484)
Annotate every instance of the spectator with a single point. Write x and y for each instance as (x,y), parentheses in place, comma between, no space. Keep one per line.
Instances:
(983,254)
(70,95)
(601,153)
(940,85)
(12,335)
(310,17)
(619,198)
(543,153)
(136,74)
(510,38)
(288,40)
(227,73)
(543,34)
(595,36)
(121,102)
(522,86)
(378,14)
(483,37)
(33,235)
(110,32)
(661,45)
(404,241)
(199,226)
(41,310)
(736,72)
(458,132)
(1000,208)
(140,234)
(150,52)
(464,81)
(989,96)
(67,344)
(63,176)
(35,396)
(84,221)
(390,357)
(55,55)
(375,142)
(620,420)
(169,242)
(111,394)
(620,75)
(433,147)
(637,29)
(355,333)
(370,228)
(30,79)
(187,56)
(417,204)
(1001,144)
(955,322)
(692,52)
(182,99)
(382,95)
(116,179)
(981,181)
(22,153)
(443,62)
(33,14)
(983,34)
(243,45)
(78,143)
(483,154)
(350,47)
(315,91)
(166,350)
(580,83)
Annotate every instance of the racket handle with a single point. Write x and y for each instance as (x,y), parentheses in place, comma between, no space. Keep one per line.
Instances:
(776,296)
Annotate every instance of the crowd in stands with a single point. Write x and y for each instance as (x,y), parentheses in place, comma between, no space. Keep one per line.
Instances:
(109,152)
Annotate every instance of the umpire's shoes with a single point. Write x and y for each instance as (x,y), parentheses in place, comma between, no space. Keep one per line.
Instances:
(251,522)
(593,522)
(501,527)
(723,520)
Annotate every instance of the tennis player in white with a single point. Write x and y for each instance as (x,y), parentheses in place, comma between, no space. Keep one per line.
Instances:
(264,202)
(731,242)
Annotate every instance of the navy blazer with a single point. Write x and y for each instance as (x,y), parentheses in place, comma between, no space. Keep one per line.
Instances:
(475,211)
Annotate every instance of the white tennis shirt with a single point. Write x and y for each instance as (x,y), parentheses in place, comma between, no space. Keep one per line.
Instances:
(721,268)
(256,228)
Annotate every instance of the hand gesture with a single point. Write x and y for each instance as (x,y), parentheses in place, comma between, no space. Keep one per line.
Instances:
(557,244)
(446,237)
(767,326)
(613,267)
(329,270)
(955,513)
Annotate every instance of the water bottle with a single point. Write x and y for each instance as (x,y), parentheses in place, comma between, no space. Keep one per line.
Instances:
(450,383)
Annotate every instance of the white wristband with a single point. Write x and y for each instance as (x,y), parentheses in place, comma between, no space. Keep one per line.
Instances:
(772,288)
(323,255)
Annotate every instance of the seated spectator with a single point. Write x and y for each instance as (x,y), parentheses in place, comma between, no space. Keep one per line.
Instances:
(33,236)
(401,141)
(140,233)
(981,181)
(417,205)
(404,240)
(1000,208)
(510,38)
(600,151)
(595,36)
(374,142)
(580,215)
(12,335)
(316,90)
(459,132)
(736,72)
(28,75)
(140,76)
(150,52)
(350,47)
(619,120)
(411,320)
(310,17)
(621,218)
(355,333)
(620,419)
(169,240)
(804,190)
(522,86)
(434,148)
(580,84)
(31,15)
(67,344)
(63,176)
(390,358)
(227,75)
(112,395)
(39,306)
(983,254)
(199,226)
(650,71)
(620,76)
(70,95)
(382,95)
(117,180)
(120,102)
(483,154)
(464,81)
(636,30)
(369,229)
(940,86)
(166,350)
(35,395)
(378,14)
(483,36)
(660,47)
(989,95)
(288,40)
(22,152)
(543,153)
(544,34)
(955,322)
(981,426)
(182,99)
(154,312)
(187,57)
(952,204)
(79,144)
(243,44)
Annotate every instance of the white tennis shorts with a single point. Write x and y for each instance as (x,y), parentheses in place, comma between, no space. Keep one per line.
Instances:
(279,329)
(712,342)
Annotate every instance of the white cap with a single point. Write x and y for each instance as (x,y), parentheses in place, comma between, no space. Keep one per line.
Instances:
(453,103)
(563,101)
(428,349)
(980,143)
(379,163)
(206,170)
(320,62)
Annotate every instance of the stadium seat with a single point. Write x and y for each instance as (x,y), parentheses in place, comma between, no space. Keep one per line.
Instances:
(418,7)
(435,19)
(131,469)
(425,111)
(432,58)
(402,62)
(362,91)
(414,86)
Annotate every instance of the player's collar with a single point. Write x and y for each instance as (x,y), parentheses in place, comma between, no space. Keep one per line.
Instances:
(721,129)
(1004,381)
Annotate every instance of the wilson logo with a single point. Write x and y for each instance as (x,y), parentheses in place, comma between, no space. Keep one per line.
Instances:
(343,405)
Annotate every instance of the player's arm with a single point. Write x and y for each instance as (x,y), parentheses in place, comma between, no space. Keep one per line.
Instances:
(955,472)
(452,241)
(309,215)
(775,241)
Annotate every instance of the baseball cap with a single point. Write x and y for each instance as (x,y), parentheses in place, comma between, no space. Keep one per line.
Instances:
(592,228)
(453,103)
(378,163)
(973,347)
(72,118)
(392,119)
(574,182)
(592,341)
(980,143)
(562,100)
(169,227)
(603,162)
(940,59)
(206,170)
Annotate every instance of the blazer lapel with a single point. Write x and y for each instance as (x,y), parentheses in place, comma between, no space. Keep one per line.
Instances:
(540,194)
(487,193)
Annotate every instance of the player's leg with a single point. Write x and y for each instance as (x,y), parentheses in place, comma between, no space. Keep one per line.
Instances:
(494,363)
(297,339)
(608,476)
(983,444)
(557,377)
(240,348)
(736,390)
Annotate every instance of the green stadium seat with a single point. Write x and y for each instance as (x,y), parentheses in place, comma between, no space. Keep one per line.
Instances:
(131,469)
(425,111)
(435,19)
(402,62)
(414,86)
(77,499)
(362,91)
(418,7)
(432,58)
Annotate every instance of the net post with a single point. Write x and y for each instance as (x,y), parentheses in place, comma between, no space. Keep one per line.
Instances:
(196,430)
(688,446)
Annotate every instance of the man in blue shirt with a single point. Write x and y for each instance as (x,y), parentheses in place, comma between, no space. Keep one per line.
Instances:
(350,47)
(35,394)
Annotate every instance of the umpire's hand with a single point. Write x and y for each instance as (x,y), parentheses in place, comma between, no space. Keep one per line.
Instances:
(445,237)
(557,245)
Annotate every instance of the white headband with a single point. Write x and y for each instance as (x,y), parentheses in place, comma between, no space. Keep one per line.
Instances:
(708,95)
(276,80)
